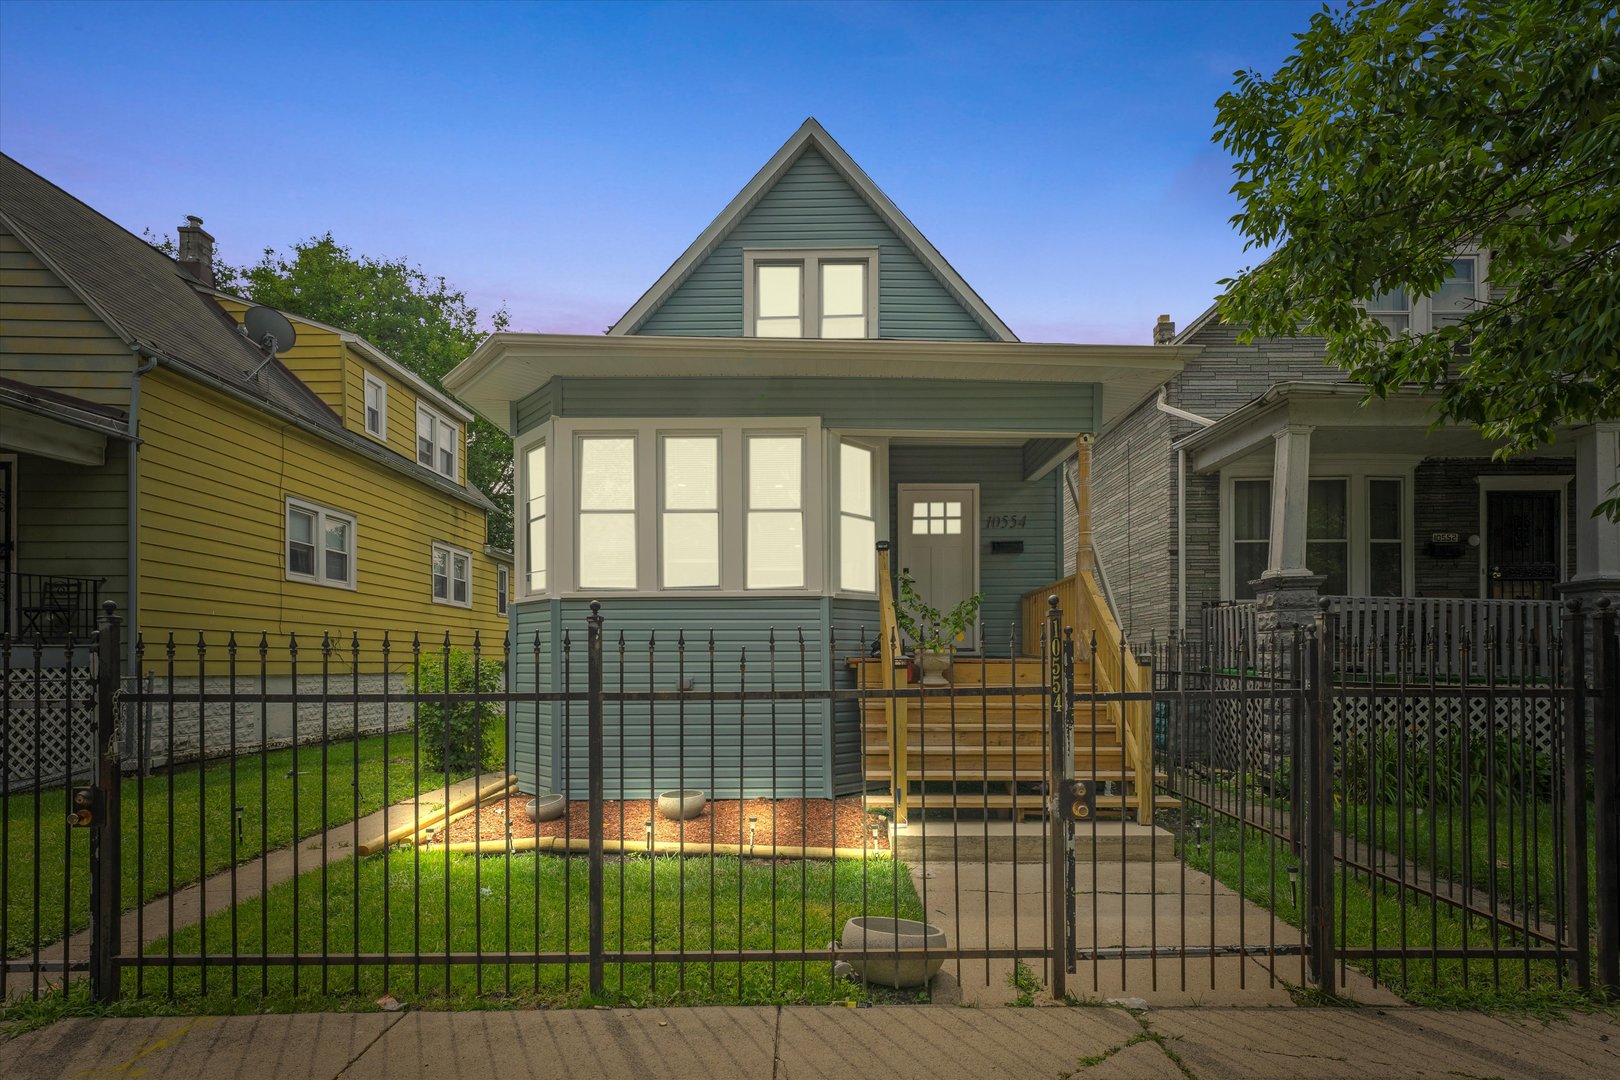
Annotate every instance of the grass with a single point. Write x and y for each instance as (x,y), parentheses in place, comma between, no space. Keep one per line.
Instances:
(38,840)
(1365,915)
(525,912)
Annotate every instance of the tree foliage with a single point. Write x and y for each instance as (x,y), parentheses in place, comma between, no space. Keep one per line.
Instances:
(417,319)
(1397,133)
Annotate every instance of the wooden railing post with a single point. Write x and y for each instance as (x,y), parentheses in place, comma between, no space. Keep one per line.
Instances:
(894,709)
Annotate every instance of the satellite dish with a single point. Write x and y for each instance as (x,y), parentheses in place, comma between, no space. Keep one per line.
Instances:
(269,330)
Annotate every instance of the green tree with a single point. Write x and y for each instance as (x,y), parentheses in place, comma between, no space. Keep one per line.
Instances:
(1401,130)
(419,320)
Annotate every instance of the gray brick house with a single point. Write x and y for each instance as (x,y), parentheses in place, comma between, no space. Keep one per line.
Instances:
(1258,474)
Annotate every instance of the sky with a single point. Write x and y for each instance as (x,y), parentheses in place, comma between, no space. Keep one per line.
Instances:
(555,159)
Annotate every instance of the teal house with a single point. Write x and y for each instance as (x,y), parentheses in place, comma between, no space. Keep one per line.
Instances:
(809,377)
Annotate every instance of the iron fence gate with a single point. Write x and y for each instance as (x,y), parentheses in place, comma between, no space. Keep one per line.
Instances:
(345,817)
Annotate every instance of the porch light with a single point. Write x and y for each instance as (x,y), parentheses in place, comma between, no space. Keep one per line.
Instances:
(753,821)
(1293,883)
(648,824)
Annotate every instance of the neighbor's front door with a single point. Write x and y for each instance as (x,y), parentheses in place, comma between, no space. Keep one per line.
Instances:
(939,544)
(1521,544)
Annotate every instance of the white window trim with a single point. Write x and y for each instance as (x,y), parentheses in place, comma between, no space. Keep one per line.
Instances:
(382,408)
(1420,310)
(520,524)
(1357,469)
(503,589)
(562,572)
(321,514)
(879,447)
(810,284)
(450,553)
(438,423)
(1558,482)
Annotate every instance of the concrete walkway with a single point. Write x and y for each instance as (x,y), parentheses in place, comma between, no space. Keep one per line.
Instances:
(194,902)
(802,1043)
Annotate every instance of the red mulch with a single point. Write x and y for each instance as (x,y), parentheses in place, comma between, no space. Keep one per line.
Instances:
(797,822)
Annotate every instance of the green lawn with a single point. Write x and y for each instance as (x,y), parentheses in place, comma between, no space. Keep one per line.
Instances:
(1365,915)
(485,906)
(202,822)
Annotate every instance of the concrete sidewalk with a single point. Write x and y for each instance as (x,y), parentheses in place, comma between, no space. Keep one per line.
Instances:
(797,1043)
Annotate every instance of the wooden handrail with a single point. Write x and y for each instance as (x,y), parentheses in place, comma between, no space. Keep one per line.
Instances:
(894,711)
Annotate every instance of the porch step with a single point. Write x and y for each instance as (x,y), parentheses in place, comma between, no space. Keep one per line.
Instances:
(944,734)
(1027,802)
(934,841)
(1113,773)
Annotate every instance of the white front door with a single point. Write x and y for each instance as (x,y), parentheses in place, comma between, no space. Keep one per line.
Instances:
(939,544)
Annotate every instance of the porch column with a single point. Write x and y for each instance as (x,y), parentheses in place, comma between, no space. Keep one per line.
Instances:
(1286,594)
(1597,539)
(1085,555)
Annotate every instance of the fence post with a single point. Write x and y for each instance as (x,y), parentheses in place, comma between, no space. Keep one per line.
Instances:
(1319,845)
(1605,805)
(1057,827)
(594,789)
(105,836)
(1576,893)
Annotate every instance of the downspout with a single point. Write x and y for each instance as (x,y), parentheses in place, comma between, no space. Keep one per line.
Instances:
(1181,505)
(132,508)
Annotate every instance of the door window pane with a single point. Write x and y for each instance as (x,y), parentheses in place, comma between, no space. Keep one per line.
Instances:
(775,550)
(843,300)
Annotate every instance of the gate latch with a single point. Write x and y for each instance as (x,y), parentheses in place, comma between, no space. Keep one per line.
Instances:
(1078,800)
(80,817)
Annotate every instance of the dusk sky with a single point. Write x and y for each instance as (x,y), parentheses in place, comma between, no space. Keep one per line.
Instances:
(557,158)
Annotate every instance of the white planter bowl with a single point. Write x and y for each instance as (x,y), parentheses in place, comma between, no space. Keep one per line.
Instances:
(545,808)
(681,804)
(869,940)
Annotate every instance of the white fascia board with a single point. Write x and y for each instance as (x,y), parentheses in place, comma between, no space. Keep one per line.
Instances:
(508,367)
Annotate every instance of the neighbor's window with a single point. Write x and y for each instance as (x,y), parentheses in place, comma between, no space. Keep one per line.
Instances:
(775,511)
(857,522)
(691,512)
(436,442)
(1251,534)
(534,516)
(1456,297)
(1327,534)
(320,545)
(1393,309)
(779,300)
(376,407)
(607,512)
(1386,547)
(843,299)
(452,576)
(503,588)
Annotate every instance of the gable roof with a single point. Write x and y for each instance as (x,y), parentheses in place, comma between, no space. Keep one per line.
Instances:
(145,298)
(811,135)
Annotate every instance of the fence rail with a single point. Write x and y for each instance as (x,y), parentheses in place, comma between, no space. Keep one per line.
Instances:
(723,820)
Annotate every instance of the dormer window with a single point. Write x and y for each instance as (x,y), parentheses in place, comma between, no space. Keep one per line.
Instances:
(437,442)
(1459,294)
(798,294)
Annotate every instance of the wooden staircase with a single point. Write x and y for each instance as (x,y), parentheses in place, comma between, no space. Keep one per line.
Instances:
(983,750)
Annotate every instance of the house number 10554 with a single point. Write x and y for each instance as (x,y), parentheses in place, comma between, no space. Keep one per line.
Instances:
(1005,521)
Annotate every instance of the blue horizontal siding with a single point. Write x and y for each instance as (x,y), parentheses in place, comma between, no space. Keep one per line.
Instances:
(536,408)
(532,750)
(812,205)
(1002,491)
(854,625)
(901,404)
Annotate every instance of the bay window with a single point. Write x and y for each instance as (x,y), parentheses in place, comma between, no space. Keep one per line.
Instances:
(691,512)
(534,517)
(857,518)
(775,511)
(607,512)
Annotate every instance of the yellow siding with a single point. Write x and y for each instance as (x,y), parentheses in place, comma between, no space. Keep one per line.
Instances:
(215,476)
(401,409)
(317,358)
(51,339)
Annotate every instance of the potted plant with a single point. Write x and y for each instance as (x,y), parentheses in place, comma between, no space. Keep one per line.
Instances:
(933,633)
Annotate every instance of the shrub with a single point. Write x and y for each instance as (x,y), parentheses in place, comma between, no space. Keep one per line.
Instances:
(454,735)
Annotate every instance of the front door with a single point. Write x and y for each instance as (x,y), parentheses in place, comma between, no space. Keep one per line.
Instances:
(1521,544)
(939,544)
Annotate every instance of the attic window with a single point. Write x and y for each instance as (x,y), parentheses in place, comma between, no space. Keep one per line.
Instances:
(800,294)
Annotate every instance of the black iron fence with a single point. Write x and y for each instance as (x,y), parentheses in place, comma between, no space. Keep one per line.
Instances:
(619,813)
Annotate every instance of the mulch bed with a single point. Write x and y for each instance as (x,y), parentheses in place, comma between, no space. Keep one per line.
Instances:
(797,823)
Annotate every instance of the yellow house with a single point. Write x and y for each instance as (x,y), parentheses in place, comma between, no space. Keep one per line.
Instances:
(151,454)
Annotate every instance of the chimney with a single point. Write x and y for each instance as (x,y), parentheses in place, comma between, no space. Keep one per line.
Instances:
(196,250)
(1164,331)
